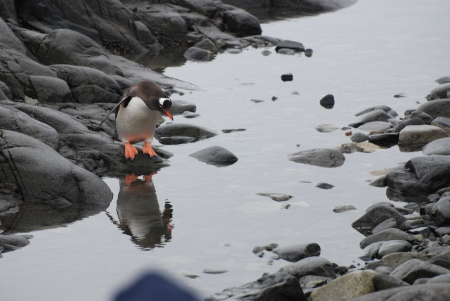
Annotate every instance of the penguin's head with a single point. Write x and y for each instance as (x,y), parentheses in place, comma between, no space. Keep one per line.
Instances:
(164,104)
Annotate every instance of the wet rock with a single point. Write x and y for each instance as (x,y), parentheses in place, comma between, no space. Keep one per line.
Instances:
(440,213)
(295,253)
(431,292)
(13,242)
(359,137)
(385,139)
(375,126)
(390,112)
(443,80)
(362,147)
(386,224)
(180,106)
(420,134)
(383,282)
(441,90)
(308,52)
(287,77)
(63,46)
(324,186)
(278,286)
(376,215)
(241,23)
(351,285)
(183,129)
(326,128)
(414,269)
(45,176)
(442,259)
(443,123)
(310,266)
(15,120)
(375,115)
(386,235)
(393,246)
(404,123)
(311,281)
(436,108)
(379,182)
(327,101)
(211,271)
(340,209)
(296,46)
(175,140)
(89,85)
(395,259)
(198,55)
(277,197)
(215,155)
(50,89)
(419,114)
(440,279)
(421,175)
(319,157)
(187,114)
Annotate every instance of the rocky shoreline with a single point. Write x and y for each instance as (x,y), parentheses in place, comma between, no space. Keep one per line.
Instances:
(62,69)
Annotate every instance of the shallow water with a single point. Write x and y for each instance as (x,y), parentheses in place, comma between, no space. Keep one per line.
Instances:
(363,55)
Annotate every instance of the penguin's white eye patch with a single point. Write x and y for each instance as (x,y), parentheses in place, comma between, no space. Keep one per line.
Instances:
(165,102)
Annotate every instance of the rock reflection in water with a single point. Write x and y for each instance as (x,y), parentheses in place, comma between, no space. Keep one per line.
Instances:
(139,213)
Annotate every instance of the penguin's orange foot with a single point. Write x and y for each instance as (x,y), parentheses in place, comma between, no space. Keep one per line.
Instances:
(147,149)
(130,151)
(130,178)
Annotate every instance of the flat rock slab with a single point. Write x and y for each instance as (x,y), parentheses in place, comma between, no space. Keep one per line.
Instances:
(322,157)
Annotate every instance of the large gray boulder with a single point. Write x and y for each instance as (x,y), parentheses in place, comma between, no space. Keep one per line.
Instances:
(44,176)
(421,175)
(377,214)
(414,269)
(436,108)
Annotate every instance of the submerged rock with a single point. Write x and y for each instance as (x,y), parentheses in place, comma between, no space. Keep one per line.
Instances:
(295,253)
(277,197)
(184,129)
(320,157)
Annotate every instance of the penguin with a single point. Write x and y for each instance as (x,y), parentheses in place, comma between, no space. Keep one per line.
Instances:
(137,115)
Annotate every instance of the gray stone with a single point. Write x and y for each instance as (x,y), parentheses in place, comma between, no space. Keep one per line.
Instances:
(379,182)
(385,235)
(375,126)
(13,242)
(426,292)
(351,285)
(276,287)
(393,246)
(376,215)
(395,259)
(436,108)
(389,111)
(241,23)
(384,139)
(375,115)
(437,147)
(328,102)
(440,279)
(426,118)
(383,282)
(184,129)
(198,54)
(295,253)
(311,281)
(326,128)
(15,120)
(180,106)
(277,197)
(50,89)
(443,123)
(359,137)
(43,175)
(215,155)
(420,134)
(175,140)
(441,90)
(440,213)
(402,124)
(340,209)
(296,46)
(320,157)
(414,269)
(442,259)
(310,266)
(421,175)
(386,224)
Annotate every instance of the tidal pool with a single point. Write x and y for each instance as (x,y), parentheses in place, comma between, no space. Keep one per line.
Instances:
(212,217)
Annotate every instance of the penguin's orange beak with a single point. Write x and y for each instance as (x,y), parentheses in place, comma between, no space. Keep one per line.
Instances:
(168,114)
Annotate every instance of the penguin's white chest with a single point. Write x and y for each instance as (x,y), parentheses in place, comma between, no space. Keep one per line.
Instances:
(136,122)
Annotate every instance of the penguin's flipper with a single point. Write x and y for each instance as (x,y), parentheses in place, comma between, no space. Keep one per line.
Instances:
(125,101)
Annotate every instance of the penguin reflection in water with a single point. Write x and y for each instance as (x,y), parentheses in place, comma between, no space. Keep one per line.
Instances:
(137,115)
(139,212)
